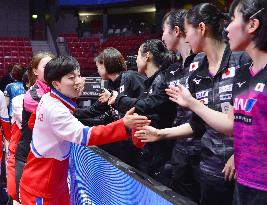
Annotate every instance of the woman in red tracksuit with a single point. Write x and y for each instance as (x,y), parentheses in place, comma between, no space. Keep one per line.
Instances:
(20,127)
(44,179)
(5,125)
(17,105)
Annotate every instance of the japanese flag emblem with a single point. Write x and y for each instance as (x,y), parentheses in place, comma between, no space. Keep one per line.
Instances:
(193,66)
(229,73)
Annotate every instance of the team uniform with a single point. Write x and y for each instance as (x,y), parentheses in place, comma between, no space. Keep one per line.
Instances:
(155,104)
(5,125)
(12,90)
(250,136)
(5,122)
(182,170)
(216,148)
(129,83)
(17,107)
(45,175)
(30,102)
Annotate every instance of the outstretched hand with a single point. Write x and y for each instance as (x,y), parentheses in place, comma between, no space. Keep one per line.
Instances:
(111,100)
(104,96)
(180,95)
(133,120)
(147,134)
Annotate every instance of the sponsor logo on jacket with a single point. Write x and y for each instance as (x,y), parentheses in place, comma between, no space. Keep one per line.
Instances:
(244,104)
(226,88)
(175,83)
(225,97)
(240,83)
(196,81)
(202,94)
(259,87)
(205,101)
(225,107)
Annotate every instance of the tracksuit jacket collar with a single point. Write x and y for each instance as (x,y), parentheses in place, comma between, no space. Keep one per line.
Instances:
(69,103)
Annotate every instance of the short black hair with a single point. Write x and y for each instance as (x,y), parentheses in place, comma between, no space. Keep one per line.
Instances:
(254,9)
(112,59)
(211,16)
(58,67)
(175,18)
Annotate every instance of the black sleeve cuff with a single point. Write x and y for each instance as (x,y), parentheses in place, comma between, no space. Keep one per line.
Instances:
(198,126)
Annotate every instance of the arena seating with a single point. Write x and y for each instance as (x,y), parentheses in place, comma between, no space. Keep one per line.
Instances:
(13,51)
(127,45)
(85,49)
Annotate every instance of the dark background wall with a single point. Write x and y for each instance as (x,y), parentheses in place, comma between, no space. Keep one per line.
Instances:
(14,18)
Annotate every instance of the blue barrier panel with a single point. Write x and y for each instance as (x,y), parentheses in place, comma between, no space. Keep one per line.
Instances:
(99,178)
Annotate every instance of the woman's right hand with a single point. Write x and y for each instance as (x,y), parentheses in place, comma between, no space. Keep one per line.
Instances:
(148,134)
(112,100)
(104,96)
(180,95)
(229,169)
(133,120)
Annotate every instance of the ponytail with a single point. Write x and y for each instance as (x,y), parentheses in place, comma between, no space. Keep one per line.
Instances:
(211,16)
(162,57)
(168,58)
